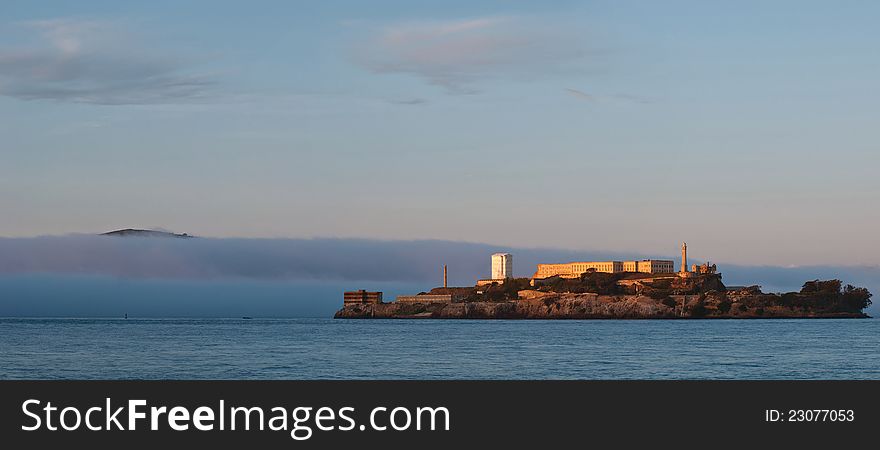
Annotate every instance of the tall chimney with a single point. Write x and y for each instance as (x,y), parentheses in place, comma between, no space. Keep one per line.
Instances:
(684,257)
(444,276)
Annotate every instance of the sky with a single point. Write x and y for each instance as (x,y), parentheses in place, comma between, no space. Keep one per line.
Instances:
(748,129)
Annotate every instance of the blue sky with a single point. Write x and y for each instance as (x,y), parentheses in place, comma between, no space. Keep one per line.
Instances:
(746,128)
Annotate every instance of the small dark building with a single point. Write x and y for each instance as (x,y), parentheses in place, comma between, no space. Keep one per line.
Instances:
(361,297)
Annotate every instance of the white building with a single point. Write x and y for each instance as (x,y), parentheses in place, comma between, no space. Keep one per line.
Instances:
(502,266)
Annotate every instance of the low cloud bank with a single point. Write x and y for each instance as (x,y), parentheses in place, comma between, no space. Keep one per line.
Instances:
(276,259)
(334,259)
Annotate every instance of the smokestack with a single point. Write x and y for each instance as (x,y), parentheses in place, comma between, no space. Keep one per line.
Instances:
(444,276)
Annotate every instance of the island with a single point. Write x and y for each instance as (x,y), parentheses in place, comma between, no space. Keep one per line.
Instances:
(136,232)
(647,289)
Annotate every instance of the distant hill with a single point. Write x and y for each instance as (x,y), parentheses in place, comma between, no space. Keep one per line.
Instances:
(133,232)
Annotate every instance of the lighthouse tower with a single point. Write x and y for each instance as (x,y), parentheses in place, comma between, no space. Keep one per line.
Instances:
(684,257)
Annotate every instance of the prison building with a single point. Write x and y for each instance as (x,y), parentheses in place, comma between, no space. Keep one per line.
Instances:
(654,266)
(576,269)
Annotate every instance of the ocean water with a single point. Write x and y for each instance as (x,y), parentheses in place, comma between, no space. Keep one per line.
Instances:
(437,349)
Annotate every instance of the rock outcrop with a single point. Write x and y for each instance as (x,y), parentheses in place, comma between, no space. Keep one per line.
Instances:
(533,304)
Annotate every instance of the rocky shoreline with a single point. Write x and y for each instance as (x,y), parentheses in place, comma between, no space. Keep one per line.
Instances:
(540,305)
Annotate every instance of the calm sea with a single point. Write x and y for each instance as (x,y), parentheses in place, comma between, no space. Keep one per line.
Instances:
(433,349)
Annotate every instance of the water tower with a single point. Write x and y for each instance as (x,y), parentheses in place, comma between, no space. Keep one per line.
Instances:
(502,266)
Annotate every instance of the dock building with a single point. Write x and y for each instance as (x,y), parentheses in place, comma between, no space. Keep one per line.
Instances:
(361,297)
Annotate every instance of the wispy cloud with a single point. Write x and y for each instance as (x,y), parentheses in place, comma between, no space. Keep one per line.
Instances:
(458,54)
(634,98)
(580,94)
(619,98)
(88,61)
(410,101)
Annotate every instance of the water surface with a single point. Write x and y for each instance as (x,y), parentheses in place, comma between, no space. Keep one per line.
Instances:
(438,349)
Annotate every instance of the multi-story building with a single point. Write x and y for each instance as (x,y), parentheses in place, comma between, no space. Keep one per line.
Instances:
(576,269)
(655,266)
(362,296)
